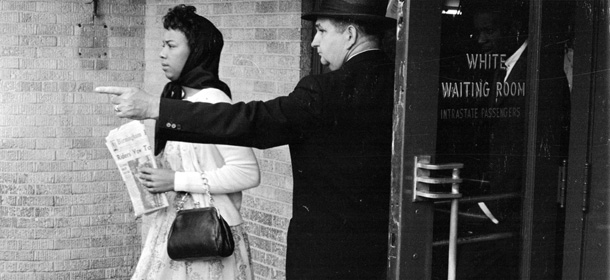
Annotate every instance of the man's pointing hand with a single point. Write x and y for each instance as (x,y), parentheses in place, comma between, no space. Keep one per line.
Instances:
(132,103)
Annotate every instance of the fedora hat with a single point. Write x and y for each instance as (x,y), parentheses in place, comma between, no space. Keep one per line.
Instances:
(360,10)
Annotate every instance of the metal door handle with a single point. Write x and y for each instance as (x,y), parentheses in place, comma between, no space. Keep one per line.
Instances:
(422,179)
(422,192)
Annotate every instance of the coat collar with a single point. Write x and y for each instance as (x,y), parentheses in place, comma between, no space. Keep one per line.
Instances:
(371,54)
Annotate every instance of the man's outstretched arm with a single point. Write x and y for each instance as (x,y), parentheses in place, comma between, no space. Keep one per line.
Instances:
(260,124)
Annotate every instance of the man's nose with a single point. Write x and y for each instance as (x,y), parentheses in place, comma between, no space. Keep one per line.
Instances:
(315,42)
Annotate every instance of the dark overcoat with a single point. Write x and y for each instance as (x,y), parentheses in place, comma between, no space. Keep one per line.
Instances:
(338,126)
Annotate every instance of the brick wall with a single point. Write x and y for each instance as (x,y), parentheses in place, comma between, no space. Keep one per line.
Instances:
(64,213)
(264,57)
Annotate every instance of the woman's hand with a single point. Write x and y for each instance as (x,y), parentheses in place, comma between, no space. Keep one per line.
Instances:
(157,180)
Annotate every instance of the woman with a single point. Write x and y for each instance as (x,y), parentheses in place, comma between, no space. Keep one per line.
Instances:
(190,58)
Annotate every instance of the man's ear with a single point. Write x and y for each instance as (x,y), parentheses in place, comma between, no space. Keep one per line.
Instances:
(351,34)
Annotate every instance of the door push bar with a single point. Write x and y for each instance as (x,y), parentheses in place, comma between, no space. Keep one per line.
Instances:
(422,191)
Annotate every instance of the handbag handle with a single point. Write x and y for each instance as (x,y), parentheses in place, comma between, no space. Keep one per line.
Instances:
(180,204)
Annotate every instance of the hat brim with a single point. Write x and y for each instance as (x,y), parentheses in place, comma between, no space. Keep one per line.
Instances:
(385,21)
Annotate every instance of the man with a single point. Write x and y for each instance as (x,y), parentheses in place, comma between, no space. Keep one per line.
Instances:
(338,126)
(502,29)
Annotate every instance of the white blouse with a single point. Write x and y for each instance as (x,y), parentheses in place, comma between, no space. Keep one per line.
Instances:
(229,169)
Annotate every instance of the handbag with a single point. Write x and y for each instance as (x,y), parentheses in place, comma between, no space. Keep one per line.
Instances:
(199,233)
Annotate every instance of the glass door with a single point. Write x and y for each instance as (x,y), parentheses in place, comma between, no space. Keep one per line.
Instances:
(482,83)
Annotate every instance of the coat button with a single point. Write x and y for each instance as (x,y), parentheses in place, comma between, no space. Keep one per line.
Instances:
(168,125)
(173,125)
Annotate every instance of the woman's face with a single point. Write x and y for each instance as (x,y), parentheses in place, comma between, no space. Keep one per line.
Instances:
(174,54)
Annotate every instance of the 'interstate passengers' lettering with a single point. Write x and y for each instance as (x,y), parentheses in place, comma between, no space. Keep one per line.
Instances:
(483,112)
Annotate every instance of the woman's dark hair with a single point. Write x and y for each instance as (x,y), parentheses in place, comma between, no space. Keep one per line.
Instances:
(183,18)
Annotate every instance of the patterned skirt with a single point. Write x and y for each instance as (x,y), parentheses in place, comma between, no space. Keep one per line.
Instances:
(155,264)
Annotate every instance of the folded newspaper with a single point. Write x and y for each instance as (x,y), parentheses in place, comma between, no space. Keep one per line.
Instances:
(131,150)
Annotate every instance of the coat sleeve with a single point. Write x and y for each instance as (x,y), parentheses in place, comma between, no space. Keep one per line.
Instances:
(260,124)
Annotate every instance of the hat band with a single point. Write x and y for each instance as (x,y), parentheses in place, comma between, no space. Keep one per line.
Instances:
(344,7)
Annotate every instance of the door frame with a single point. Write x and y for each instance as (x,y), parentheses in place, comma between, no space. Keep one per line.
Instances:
(587,236)
(417,43)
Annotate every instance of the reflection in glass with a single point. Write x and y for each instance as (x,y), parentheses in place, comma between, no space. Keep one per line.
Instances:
(482,122)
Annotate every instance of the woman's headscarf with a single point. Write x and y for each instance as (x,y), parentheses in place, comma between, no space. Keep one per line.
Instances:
(205,43)
(201,68)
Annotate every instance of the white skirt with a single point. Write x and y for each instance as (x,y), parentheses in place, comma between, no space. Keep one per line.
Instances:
(155,264)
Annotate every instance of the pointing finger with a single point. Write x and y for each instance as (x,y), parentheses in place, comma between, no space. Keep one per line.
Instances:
(112,90)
